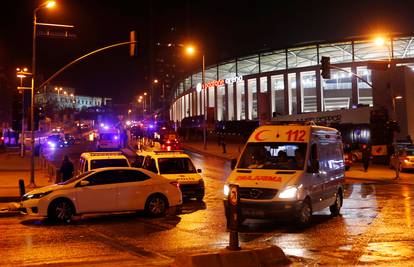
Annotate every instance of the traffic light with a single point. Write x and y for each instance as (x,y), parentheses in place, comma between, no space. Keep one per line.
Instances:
(38,116)
(326,67)
(133,44)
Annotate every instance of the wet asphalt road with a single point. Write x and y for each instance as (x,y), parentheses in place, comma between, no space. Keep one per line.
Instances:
(375,228)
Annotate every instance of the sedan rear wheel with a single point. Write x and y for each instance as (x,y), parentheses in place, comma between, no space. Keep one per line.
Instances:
(156,206)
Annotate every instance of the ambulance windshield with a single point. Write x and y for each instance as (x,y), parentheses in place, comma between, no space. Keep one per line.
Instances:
(282,156)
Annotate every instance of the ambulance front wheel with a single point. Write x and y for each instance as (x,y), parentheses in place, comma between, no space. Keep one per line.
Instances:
(304,214)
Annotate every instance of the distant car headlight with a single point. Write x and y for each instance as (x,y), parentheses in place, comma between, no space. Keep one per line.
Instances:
(34,196)
(51,144)
(289,192)
(226,190)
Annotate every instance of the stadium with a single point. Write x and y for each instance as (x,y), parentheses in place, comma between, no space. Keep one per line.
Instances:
(288,77)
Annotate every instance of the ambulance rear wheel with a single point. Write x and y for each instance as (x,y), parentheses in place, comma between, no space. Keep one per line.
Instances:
(336,207)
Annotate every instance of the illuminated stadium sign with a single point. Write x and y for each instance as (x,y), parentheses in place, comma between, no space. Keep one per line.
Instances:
(222,82)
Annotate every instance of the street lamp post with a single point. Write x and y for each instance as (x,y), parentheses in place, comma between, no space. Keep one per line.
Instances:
(190,50)
(58,96)
(203,82)
(48,4)
(380,41)
(21,74)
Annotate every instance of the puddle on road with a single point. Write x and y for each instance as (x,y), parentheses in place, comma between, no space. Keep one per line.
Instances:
(388,252)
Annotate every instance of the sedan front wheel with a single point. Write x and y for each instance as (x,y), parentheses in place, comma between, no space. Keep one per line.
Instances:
(61,210)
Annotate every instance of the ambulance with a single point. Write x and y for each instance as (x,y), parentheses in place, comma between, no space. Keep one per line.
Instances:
(288,172)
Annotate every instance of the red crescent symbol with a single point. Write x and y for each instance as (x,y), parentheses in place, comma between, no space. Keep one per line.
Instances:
(257,137)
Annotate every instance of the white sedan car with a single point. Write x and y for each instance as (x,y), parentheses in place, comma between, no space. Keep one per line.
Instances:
(111,189)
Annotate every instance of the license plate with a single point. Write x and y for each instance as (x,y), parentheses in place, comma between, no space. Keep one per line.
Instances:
(253,212)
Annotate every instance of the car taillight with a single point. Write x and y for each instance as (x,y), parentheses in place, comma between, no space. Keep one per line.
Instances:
(176,184)
(168,142)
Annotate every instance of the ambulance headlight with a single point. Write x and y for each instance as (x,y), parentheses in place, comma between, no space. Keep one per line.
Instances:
(289,192)
(226,190)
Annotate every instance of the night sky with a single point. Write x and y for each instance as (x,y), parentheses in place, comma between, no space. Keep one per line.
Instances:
(223,29)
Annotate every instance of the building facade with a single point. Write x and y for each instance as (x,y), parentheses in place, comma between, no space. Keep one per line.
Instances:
(287,81)
(65,97)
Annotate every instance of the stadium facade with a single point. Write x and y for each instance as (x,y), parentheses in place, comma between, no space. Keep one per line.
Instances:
(285,83)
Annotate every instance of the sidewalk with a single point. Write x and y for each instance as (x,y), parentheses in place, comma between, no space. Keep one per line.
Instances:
(379,173)
(13,168)
(213,149)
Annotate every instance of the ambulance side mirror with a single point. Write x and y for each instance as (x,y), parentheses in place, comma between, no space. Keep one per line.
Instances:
(233,163)
(313,166)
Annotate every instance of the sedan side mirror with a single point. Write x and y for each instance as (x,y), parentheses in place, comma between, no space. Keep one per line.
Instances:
(199,170)
(233,163)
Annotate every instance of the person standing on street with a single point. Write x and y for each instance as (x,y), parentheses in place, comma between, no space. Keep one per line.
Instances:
(66,169)
(366,154)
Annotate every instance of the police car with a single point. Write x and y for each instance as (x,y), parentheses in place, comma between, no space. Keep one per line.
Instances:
(94,160)
(288,172)
(176,165)
(115,189)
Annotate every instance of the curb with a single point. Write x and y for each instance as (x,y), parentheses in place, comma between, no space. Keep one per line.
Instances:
(384,181)
(10,210)
(9,199)
(268,256)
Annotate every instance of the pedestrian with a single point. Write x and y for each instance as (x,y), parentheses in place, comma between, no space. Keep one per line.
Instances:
(66,169)
(366,154)
(138,162)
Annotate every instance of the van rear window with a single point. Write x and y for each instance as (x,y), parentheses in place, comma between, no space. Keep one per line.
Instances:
(271,155)
(103,163)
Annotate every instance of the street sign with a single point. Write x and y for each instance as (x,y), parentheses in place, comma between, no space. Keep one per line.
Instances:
(56,34)
(24,88)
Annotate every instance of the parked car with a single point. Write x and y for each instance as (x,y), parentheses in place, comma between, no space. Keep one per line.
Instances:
(405,158)
(56,140)
(70,139)
(113,189)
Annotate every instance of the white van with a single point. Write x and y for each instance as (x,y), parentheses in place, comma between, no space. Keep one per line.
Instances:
(108,139)
(177,166)
(289,172)
(95,160)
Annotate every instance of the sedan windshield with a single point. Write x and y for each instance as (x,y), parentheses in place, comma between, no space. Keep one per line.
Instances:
(76,178)
(175,165)
(285,156)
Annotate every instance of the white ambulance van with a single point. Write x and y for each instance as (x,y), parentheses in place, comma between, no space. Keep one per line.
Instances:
(95,160)
(288,172)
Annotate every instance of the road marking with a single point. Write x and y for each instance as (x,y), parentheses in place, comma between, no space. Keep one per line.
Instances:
(123,246)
